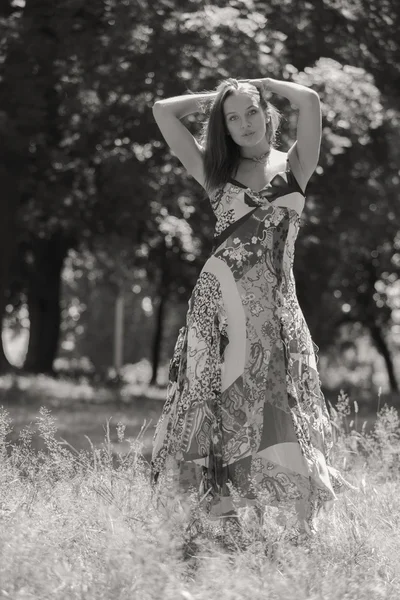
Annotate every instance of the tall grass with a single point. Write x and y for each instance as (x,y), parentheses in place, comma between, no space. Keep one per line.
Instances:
(85,524)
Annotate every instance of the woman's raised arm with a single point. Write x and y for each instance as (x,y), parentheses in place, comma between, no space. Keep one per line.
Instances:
(167,114)
(304,153)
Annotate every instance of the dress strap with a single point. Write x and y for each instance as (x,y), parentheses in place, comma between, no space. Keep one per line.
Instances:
(230,229)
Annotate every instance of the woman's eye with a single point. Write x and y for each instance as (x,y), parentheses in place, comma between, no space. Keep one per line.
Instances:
(251,112)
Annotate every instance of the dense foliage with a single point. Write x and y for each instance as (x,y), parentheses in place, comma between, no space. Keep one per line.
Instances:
(83,167)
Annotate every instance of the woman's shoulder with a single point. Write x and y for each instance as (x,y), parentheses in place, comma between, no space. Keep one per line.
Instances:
(280,158)
(280,153)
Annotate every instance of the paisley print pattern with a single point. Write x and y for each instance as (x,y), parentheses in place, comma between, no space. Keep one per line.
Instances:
(225,219)
(244,407)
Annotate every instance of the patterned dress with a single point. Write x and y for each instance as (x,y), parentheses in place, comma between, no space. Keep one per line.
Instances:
(244,406)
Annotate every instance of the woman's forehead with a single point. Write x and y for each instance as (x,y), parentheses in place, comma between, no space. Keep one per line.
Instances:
(240,100)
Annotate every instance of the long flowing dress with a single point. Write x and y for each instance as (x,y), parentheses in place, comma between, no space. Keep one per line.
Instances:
(244,406)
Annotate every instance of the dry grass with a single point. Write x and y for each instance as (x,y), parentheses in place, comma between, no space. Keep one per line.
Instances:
(84,524)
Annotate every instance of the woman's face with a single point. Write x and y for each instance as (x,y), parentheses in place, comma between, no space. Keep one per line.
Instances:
(244,117)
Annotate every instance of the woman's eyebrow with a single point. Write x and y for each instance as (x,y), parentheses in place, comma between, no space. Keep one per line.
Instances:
(233,112)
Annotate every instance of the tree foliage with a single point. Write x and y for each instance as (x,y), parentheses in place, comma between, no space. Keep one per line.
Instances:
(84,166)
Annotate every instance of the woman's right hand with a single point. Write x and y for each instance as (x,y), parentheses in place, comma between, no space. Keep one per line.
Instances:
(261,84)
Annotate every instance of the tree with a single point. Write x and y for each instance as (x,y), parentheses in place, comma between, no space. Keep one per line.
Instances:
(94,174)
(97,129)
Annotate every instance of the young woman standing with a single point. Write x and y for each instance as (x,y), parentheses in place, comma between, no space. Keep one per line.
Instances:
(244,405)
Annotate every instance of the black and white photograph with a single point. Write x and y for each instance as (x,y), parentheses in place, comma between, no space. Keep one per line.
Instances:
(200,300)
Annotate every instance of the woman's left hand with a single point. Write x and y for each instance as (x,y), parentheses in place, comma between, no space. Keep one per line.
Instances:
(262,82)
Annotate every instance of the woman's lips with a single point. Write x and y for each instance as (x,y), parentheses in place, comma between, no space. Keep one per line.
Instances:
(248,134)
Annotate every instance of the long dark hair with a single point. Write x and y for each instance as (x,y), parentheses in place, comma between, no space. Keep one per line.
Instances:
(221,154)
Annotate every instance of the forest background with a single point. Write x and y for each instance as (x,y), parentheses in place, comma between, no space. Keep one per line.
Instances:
(95,210)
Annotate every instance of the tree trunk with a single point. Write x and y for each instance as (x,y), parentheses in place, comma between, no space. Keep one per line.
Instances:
(26,85)
(7,237)
(43,298)
(382,347)
(13,155)
(10,173)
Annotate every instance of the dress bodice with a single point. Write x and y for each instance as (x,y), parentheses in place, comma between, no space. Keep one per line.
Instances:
(234,200)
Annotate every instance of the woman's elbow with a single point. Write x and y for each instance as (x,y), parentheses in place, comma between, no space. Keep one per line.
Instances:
(314,96)
(157,106)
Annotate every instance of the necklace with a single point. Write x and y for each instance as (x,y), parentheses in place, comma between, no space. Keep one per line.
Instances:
(258,159)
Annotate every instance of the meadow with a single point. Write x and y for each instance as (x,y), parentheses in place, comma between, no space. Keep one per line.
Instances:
(78,519)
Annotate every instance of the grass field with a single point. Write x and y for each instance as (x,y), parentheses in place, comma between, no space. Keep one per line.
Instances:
(81,410)
(83,523)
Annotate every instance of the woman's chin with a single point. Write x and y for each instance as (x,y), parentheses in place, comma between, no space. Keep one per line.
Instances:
(248,141)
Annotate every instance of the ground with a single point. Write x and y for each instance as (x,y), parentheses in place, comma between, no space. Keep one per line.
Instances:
(85,523)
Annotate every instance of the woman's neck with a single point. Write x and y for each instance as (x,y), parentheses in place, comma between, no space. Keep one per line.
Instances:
(257,152)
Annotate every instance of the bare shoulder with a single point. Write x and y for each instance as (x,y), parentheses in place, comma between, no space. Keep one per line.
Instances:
(280,153)
(277,159)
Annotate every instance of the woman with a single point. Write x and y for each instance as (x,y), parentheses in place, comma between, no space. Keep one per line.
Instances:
(244,408)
